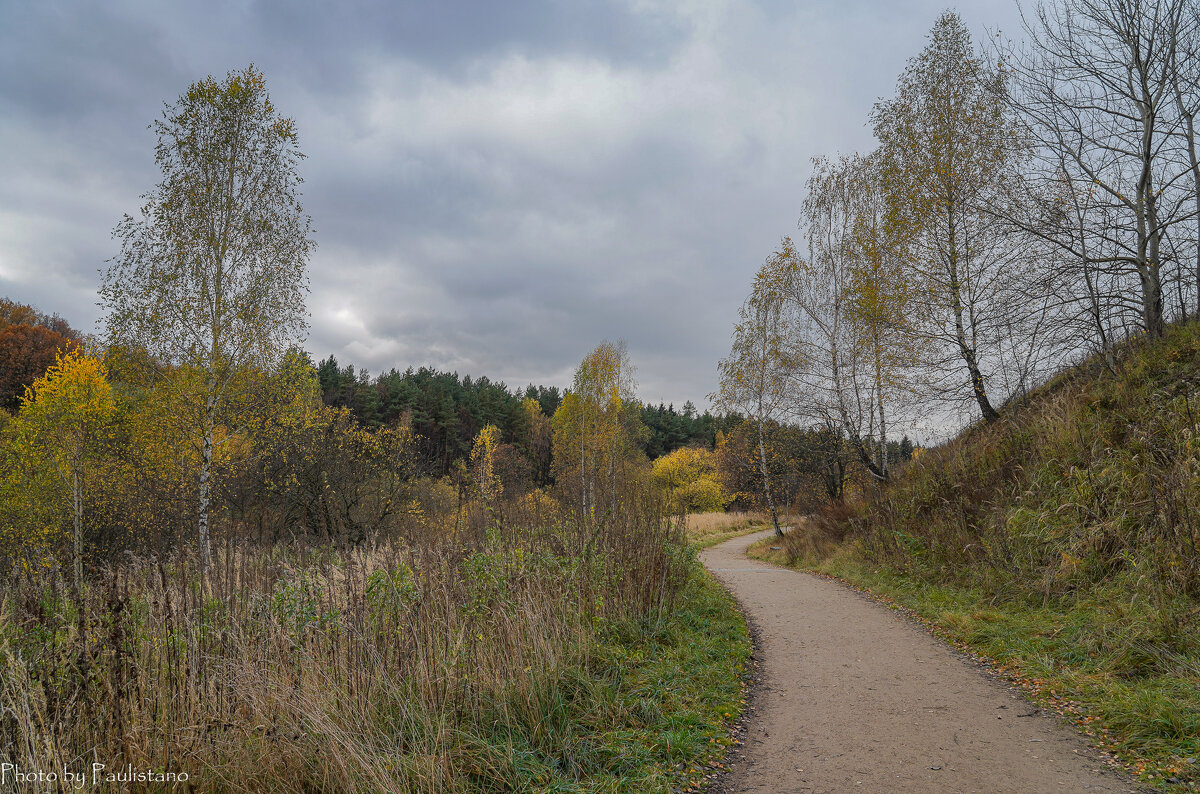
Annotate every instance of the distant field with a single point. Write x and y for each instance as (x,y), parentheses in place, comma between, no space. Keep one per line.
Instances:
(708,529)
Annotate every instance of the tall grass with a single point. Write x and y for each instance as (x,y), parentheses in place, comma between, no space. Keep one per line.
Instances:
(446,665)
(1092,479)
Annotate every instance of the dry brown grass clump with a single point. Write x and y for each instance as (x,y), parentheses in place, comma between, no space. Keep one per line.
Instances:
(818,534)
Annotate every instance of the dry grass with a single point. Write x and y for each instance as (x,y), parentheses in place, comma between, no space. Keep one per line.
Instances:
(445,667)
(709,529)
(818,534)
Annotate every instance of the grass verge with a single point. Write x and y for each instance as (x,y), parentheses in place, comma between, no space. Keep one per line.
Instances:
(1148,724)
(651,709)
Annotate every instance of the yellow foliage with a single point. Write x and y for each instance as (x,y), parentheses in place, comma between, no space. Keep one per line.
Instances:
(64,421)
(688,476)
(483,463)
(543,507)
(596,429)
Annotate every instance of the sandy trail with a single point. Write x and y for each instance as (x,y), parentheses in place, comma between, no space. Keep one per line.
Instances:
(855,698)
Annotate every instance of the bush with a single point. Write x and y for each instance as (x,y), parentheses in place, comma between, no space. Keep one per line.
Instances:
(688,477)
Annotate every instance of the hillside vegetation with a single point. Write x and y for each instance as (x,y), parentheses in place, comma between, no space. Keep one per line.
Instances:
(1061,540)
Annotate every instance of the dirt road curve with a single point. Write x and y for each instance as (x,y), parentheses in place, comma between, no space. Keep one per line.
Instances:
(856,698)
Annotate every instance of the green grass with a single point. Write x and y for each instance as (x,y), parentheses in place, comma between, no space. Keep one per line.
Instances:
(1082,657)
(649,710)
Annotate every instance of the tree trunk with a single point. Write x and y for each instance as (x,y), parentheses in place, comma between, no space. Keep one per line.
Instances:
(206,455)
(990,414)
(1154,298)
(1149,234)
(834,476)
(966,351)
(583,502)
(1189,118)
(883,443)
(612,473)
(78,529)
(865,456)
(1152,315)
(1149,271)
(766,477)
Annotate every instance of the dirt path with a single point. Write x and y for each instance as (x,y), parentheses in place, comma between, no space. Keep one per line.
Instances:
(855,698)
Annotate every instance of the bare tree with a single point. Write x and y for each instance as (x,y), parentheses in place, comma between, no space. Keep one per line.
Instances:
(1088,298)
(1107,96)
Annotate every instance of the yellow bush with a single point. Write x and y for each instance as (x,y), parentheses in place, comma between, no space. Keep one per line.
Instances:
(52,446)
(689,477)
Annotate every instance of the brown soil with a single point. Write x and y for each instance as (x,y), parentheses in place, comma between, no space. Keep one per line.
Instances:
(853,697)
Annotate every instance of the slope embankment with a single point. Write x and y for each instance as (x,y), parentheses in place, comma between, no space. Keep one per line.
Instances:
(1061,541)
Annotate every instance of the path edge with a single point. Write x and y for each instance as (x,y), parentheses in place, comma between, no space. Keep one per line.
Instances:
(985,666)
(725,779)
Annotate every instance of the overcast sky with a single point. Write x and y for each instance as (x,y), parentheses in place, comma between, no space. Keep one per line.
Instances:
(496,186)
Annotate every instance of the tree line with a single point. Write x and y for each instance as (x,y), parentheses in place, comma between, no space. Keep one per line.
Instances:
(29,342)
(446,411)
(1028,204)
(195,416)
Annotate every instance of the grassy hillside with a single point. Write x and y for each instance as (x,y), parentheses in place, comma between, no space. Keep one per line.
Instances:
(1062,542)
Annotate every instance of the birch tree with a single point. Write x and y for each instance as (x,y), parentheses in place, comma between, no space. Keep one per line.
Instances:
(753,377)
(66,417)
(879,308)
(846,311)
(596,428)
(211,277)
(484,479)
(947,144)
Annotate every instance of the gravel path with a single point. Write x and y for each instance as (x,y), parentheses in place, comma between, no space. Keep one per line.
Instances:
(856,698)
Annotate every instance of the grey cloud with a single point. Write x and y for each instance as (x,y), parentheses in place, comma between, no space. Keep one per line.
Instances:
(451,35)
(496,187)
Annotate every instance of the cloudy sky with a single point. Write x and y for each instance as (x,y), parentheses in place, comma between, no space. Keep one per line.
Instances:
(496,185)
